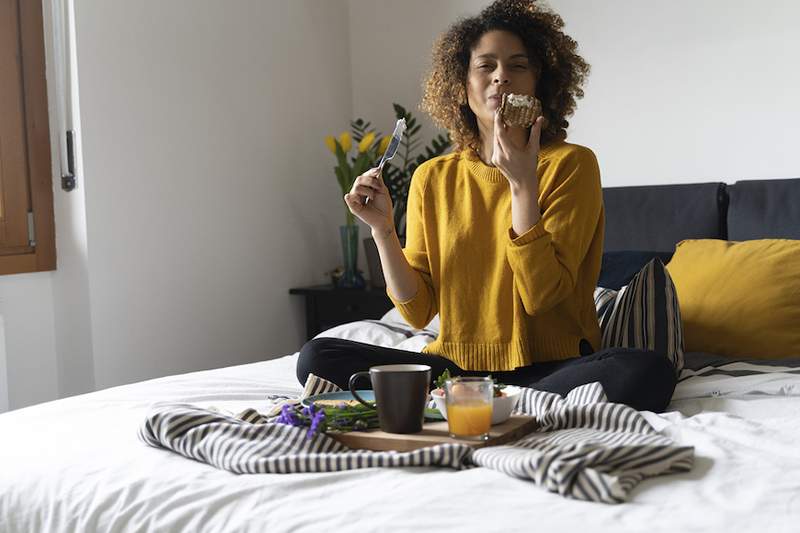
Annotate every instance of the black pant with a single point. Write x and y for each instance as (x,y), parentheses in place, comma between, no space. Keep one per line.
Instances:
(641,379)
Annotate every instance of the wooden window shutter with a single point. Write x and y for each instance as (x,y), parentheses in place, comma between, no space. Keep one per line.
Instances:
(27,242)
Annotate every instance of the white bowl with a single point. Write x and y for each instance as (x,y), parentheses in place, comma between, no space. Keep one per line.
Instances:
(501,406)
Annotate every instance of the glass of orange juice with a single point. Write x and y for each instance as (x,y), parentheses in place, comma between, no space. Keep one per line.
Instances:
(469,407)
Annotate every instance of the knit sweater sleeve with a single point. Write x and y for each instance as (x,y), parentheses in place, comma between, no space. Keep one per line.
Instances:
(420,309)
(546,258)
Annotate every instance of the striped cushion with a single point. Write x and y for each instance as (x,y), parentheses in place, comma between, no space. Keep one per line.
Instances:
(604,301)
(643,315)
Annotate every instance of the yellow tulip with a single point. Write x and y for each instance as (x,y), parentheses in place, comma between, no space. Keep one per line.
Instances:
(384,145)
(346,141)
(330,142)
(366,142)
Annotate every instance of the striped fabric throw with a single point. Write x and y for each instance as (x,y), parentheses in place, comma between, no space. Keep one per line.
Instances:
(644,314)
(585,447)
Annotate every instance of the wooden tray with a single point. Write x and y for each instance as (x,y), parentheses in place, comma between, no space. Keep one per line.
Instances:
(433,433)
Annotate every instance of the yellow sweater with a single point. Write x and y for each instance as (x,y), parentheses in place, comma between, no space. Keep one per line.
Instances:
(505,302)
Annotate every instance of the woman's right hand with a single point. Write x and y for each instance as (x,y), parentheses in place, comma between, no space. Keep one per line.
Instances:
(378,213)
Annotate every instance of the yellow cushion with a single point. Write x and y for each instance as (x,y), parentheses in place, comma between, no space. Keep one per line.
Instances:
(739,298)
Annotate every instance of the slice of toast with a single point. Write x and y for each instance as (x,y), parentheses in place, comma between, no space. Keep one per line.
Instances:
(520,110)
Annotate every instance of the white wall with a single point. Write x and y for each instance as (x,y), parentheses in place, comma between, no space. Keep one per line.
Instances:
(27,310)
(208,189)
(688,90)
(681,91)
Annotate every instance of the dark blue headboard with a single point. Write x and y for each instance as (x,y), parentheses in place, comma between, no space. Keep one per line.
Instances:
(656,217)
(764,209)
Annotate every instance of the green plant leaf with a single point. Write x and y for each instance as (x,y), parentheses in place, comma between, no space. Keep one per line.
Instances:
(341,180)
(390,173)
(343,168)
(338,147)
(361,163)
(347,172)
(359,129)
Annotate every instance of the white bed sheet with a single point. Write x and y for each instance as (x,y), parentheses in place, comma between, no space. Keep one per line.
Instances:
(77,465)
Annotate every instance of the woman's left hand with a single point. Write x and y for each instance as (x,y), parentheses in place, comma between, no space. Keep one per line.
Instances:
(517,163)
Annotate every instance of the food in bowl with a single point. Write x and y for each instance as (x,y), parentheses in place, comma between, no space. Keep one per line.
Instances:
(337,403)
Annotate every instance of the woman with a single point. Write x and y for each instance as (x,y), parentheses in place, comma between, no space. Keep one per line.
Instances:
(504,234)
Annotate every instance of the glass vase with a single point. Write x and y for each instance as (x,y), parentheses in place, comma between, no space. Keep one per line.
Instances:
(351,278)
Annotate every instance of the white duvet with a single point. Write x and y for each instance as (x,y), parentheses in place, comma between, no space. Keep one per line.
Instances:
(76,465)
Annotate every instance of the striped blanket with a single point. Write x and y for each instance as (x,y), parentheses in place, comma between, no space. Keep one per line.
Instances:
(584,448)
(708,375)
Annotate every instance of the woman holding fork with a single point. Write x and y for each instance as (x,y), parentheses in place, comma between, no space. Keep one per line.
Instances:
(505,233)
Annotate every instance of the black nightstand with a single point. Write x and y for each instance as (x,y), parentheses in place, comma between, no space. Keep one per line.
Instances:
(327,306)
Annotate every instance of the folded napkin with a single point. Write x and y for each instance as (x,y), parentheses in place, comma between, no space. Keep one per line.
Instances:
(584,446)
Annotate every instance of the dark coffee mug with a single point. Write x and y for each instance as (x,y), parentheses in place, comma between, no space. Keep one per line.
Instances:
(401,392)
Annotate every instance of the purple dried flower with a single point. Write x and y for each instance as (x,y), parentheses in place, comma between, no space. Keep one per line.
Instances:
(316,420)
(289,416)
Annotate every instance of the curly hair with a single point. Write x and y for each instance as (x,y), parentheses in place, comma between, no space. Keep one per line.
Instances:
(560,71)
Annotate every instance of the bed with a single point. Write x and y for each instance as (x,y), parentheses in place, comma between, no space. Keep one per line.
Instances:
(76,464)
